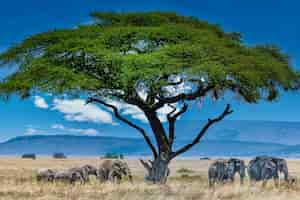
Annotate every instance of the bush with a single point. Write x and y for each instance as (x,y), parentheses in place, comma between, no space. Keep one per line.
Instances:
(113,156)
(185,171)
(59,156)
(29,156)
(205,158)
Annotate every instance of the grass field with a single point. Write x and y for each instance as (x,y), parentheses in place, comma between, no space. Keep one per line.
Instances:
(188,180)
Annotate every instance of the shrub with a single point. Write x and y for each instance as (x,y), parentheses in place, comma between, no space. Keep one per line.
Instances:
(113,156)
(204,158)
(29,156)
(185,171)
(59,156)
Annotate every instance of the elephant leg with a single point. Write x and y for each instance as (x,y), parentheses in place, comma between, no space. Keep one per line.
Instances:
(264,184)
(82,180)
(71,181)
(276,182)
(232,179)
(242,179)
(211,182)
(115,178)
(119,178)
(112,176)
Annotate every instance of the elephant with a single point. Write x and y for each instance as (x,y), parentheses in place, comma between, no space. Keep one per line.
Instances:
(123,168)
(76,176)
(90,169)
(238,167)
(113,170)
(216,172)
(45,175)
(222,171)
(68,176)
(263,168)
(71,175)
(85,171)
(82,171)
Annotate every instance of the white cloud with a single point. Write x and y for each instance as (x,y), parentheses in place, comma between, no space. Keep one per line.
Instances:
(127,109)
(30,131)
(89,131)
(40,102)
(78,110)
(136,113)
(58,126)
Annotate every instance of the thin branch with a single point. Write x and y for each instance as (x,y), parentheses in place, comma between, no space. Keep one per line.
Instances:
(183,110)
(169,115)
(210,122)
(118,116)
(172,120)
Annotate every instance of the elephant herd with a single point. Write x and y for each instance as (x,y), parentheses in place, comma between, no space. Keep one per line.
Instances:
(261,168)
(109,170)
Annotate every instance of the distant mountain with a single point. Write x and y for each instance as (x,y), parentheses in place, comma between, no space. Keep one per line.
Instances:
(287,133)
(72,145)
(290,151)
(87,145)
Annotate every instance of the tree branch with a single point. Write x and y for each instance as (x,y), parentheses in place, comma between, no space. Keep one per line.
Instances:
(182,110)
(172,119)
(201,91)
(118,116)
(210,122)
(169,115)
(146,165)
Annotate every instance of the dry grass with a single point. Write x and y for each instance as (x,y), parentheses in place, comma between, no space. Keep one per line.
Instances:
(17,182)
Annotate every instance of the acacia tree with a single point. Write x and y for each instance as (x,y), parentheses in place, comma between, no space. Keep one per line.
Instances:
(149,60)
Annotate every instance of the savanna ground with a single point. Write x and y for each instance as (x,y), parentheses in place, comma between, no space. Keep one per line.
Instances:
(188,180)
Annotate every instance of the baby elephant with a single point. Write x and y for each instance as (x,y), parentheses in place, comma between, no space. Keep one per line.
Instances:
(68,176)
(292,180)
(45,175)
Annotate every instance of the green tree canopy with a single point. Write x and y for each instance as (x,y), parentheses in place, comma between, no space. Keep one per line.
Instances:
(123,49)
(121,55)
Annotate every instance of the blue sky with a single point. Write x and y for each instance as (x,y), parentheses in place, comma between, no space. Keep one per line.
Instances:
(259,21)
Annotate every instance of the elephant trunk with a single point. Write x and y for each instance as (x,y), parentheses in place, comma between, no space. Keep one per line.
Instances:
(285,172)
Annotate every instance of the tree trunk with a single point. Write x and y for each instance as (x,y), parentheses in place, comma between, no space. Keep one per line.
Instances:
(158,170)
